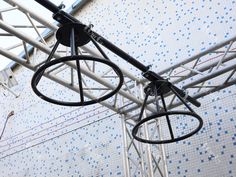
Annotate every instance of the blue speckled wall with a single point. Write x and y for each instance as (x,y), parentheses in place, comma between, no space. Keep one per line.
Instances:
(43,139)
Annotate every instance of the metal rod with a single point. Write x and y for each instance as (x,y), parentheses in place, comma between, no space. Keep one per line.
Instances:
(34,15)
(26,52)
(50,6)
(142,160)
(202,94)
(48,59)
(99,48)
(8,9)
(230,76)
(125,149)
(8,89)
(55,68)
(74,52)
(70,19)
(72,76)
(181,99)
(35,28)
(52,77)
(4,127)
(212,75)
(146,136)
(14,46)
(215,47)
(226,52)
(143,107)
(167,117)
(47,50)
(162,147)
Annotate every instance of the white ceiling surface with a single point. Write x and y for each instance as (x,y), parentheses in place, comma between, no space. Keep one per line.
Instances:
(17,18)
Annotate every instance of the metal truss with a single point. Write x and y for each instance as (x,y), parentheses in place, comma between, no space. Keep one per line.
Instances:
(207,72)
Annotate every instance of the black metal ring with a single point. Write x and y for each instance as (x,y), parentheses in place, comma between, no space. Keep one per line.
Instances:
(136,127)
(70,58)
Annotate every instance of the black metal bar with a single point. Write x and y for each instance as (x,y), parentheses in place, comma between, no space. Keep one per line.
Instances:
(64,18)
(120,53)
(47,4)
(48,59)
(189,98)
(72,42)
(67,18)
(167,117)
(181,98)
(74,52)
(143,107)
(80,82)
(99,48)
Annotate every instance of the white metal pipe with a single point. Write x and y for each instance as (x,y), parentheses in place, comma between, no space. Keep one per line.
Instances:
(125,72)
(54,27)
(8,89)
(35,28)
(215,47)
(35,16)
(202,69)
(163,153)
(14,46)
(26,52)
(226,52)
(125,148)
(146,136)
(47,50)
(210,76)
(54,78)
(8,9)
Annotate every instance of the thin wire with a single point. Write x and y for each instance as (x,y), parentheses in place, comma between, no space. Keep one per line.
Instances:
(5,124)
(42,142)
(32,135)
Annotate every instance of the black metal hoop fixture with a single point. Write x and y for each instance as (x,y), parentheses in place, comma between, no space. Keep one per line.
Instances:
(159,88)
(74,35)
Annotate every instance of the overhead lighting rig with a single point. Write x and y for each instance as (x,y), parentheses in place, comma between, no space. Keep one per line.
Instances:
(72,33)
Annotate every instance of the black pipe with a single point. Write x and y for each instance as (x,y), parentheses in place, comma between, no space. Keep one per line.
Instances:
(64,18)
(50,6)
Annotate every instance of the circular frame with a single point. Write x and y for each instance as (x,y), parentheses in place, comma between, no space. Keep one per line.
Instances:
(136,127)
(40,70)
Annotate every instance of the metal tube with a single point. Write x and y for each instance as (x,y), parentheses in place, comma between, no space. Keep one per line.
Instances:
(125,72)
(35,28)
(50,6)
(47,50)
(8,89)
(146,135)
(142,160)
(70,19)
(226,52)
(32,14)
(125,145)
(162,147)
(202,94)
(205,68)
(215,47)
(210,76)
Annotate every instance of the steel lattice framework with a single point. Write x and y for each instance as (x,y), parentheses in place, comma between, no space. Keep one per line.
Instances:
(210,65)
